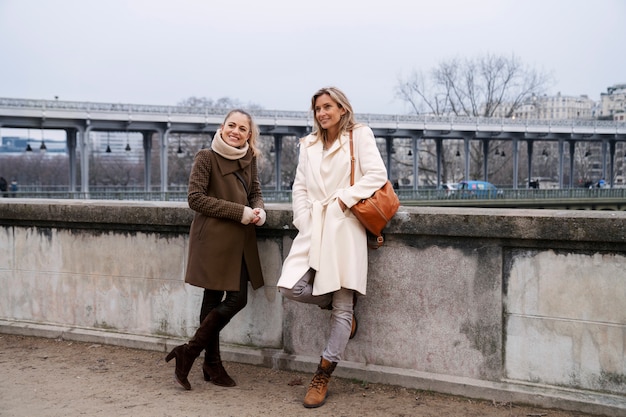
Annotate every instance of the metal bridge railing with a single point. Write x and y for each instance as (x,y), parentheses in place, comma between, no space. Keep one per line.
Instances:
(406,195)
(147,109)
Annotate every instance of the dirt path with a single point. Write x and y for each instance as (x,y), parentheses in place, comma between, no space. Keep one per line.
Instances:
(46,377)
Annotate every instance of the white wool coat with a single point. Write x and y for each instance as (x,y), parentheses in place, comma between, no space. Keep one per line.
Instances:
(331,241)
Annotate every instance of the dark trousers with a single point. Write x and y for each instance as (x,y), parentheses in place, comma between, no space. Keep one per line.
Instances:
(229,305)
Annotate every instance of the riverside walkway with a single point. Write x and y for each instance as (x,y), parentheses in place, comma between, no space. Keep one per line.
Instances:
(46,377)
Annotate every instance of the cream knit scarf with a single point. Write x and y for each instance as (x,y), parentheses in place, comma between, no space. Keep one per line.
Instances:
(224,149)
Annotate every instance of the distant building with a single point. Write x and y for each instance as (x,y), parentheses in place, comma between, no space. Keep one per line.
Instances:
(557,108)
(613,103)
(117,144)
(15,145)
(612,106)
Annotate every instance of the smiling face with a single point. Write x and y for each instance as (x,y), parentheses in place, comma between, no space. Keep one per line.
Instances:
(328,113)
(236,130)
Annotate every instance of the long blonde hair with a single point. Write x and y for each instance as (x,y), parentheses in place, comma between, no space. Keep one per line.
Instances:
(347,121)
(254,129)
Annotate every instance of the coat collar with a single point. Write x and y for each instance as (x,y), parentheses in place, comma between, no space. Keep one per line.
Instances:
(315,153)
(228,166)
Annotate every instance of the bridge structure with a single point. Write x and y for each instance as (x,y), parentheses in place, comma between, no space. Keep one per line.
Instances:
(79,119)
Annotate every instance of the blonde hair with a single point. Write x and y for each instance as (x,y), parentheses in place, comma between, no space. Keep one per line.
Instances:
(347,121)
(254,129)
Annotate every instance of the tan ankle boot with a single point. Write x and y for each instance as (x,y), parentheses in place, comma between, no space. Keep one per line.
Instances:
(318,388)
(355,326)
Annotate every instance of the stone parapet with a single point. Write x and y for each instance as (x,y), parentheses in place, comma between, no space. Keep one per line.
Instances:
(487,303)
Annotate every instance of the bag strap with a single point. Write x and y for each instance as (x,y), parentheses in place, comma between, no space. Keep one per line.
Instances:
(379,240)
(351,160)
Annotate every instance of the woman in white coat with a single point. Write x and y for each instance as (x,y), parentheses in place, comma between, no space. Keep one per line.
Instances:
(327,263)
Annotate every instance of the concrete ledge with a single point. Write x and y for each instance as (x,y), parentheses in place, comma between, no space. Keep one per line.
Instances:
(526,224)
(505,391)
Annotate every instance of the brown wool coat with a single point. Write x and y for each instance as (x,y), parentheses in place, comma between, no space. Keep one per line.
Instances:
(217,240)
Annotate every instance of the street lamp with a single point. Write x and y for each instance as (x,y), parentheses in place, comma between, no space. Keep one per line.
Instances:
(179,152)
(28,147)
(43,147)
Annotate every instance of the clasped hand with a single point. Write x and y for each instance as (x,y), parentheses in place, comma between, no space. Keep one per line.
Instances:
(253,215)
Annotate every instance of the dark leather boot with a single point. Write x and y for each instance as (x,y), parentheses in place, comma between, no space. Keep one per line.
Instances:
(212,368)
(318,388)
(184,362)
(186,354)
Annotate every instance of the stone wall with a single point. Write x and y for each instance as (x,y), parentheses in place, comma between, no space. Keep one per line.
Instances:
(525,305)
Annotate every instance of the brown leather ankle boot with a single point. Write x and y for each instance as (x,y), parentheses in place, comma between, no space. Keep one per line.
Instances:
(186,354)
(212,368)
(215,372)
(318,388)
(184,361)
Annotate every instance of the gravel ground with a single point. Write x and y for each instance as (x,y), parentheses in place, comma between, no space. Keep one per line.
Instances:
(50,377)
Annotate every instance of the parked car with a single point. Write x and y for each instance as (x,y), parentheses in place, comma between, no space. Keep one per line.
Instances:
(477,189)
(449,188)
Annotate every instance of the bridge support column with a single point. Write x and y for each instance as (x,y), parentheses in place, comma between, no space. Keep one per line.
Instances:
(147,156)
(389,151)
(415,151)
(529,144)
(439,155)
(278,142)
(70,137)
(163,157)
(485,143)
(611,178)
(85,150)
(515,151)
(466,157)
(561,162)
(572,150)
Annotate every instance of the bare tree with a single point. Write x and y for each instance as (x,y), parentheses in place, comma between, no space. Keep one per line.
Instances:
(36,169)
(222,103)
(117,171)
(194,101)
(473,87)
(484,86)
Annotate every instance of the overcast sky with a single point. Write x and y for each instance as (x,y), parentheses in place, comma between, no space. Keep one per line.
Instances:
(277,53)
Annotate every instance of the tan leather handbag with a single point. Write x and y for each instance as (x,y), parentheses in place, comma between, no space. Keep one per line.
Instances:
(377,210)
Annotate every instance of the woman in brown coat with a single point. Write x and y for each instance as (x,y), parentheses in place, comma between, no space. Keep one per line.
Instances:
(225,193)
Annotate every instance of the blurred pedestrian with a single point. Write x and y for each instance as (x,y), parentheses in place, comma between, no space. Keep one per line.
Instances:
(13,188)
(4,186)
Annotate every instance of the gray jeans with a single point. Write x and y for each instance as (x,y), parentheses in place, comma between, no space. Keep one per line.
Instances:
(341,315)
